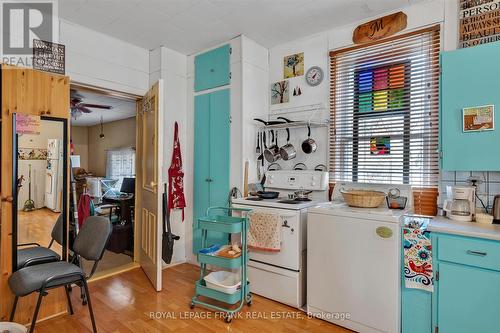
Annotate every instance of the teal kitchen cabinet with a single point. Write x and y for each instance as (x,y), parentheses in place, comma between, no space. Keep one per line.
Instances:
(212,68)
(211,158)
(469,77)
(467,293)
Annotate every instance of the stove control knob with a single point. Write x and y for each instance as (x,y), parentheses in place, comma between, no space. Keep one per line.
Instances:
(314,177)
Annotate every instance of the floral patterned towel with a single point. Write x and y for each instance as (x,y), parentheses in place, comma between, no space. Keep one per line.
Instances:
(418,259)
(265,232)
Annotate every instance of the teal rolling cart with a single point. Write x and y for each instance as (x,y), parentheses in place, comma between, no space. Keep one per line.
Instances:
(228,224)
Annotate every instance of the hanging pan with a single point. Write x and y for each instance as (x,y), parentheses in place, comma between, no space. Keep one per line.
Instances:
(309,145)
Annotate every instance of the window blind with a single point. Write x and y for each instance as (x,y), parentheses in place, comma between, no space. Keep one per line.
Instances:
(120,164)
(384,110)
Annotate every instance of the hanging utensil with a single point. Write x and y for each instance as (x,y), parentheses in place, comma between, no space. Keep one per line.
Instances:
(288,152)
(257,149)
(309,145)
(272,153)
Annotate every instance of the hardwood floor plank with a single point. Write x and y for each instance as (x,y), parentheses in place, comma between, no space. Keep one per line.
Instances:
(127,303)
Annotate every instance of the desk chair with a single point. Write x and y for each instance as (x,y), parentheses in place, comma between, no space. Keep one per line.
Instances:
(89,244)
(37,254)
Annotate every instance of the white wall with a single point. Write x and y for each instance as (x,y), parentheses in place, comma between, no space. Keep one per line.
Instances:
(316,49)
(96,59)
(171,67)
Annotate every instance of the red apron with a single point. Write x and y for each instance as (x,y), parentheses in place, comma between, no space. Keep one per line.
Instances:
(176,199)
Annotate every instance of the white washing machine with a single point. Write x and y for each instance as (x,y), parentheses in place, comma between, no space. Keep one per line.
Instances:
(353,258)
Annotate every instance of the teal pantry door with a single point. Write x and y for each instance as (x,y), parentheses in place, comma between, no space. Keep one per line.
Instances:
(211,158)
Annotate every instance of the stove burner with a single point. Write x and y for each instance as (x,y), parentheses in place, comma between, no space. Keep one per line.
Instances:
(302,199)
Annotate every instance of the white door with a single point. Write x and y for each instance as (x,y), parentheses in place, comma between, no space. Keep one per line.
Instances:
(148,226)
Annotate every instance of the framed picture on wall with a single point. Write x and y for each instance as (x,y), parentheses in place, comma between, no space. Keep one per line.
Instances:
(478,118)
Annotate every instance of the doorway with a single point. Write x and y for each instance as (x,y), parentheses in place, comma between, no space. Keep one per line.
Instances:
(103,166)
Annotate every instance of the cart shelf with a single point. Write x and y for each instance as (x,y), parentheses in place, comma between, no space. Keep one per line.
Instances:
(221,223)
(229,263)
(203,290)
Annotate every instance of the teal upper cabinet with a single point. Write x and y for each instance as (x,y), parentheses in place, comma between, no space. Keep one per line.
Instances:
(470,77)
(212,68)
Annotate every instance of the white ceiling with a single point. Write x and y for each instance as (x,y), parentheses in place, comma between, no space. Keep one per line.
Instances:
(189,26)
(122,109)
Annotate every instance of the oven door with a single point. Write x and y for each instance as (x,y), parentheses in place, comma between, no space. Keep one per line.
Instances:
(291,234)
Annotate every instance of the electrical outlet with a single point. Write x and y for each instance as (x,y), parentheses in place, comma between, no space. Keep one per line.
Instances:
(473,180)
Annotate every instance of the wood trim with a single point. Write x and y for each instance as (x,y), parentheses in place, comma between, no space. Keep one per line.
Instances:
(105,91)
(436,27)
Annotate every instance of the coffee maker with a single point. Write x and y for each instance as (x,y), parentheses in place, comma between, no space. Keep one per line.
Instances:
(461,203)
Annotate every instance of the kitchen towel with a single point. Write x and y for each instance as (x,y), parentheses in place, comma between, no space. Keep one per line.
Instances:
(265,232)
(418,259)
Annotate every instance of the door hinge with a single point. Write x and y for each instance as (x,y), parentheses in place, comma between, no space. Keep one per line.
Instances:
(436,329)
(230,50)
(437,276)
(230,119)
(230,75)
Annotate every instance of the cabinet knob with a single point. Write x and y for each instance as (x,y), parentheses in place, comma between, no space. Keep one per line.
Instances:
(208,180)
(212,70)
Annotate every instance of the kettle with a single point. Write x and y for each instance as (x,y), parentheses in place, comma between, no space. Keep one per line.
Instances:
(496,210)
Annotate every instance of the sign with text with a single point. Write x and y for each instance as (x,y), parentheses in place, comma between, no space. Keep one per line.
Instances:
(479,22)
(380,28)
(49,57)
(27,124)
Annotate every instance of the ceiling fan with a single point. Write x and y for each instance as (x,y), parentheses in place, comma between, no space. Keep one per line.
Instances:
(78,108)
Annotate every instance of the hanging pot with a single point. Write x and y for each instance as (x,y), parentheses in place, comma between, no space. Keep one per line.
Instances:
(288,152)
(272,153)
(309,145)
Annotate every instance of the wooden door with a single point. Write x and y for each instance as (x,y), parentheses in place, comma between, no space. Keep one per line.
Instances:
(149,220)
(25,91)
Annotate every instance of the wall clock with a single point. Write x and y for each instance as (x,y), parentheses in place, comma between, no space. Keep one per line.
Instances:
(314,76)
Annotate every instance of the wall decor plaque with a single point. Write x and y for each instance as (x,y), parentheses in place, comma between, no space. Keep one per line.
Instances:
(479,22)
(478,118)
(27,124)
(380,28)
(49,57)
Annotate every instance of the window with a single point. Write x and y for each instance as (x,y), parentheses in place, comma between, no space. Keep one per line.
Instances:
(384,111)
(120,164)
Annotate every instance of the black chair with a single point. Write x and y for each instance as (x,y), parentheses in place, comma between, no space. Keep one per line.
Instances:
(89,244)
(36,254)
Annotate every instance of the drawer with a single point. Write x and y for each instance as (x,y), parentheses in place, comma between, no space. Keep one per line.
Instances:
(469,251)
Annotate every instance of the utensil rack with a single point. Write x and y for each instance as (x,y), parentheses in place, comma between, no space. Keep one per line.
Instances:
(296,124)
(230,225)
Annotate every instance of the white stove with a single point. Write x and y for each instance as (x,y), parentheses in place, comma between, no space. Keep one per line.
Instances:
(281,276)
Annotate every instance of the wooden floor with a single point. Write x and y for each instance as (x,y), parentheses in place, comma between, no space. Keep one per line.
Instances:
(36,226)
(127,303)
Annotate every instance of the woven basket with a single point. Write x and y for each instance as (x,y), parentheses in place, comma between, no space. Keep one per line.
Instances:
(363,198)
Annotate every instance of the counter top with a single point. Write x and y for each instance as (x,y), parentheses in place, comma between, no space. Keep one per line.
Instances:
(470,229)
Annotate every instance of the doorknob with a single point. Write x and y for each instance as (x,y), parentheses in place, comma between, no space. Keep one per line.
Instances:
(153,184)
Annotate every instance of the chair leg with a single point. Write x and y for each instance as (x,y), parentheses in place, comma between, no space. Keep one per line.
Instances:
(70,306)
(35,315)
(13,311)
(87,296)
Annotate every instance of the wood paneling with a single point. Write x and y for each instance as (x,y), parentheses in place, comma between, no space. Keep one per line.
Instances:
(37,93)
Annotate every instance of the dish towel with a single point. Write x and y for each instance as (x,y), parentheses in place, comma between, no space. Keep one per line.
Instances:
(418,259)
(265,232)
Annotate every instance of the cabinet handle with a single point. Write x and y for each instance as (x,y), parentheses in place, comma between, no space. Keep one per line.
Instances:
(286,225)
(476,253)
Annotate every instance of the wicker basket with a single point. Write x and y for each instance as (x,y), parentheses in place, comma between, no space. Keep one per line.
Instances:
(363,198)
